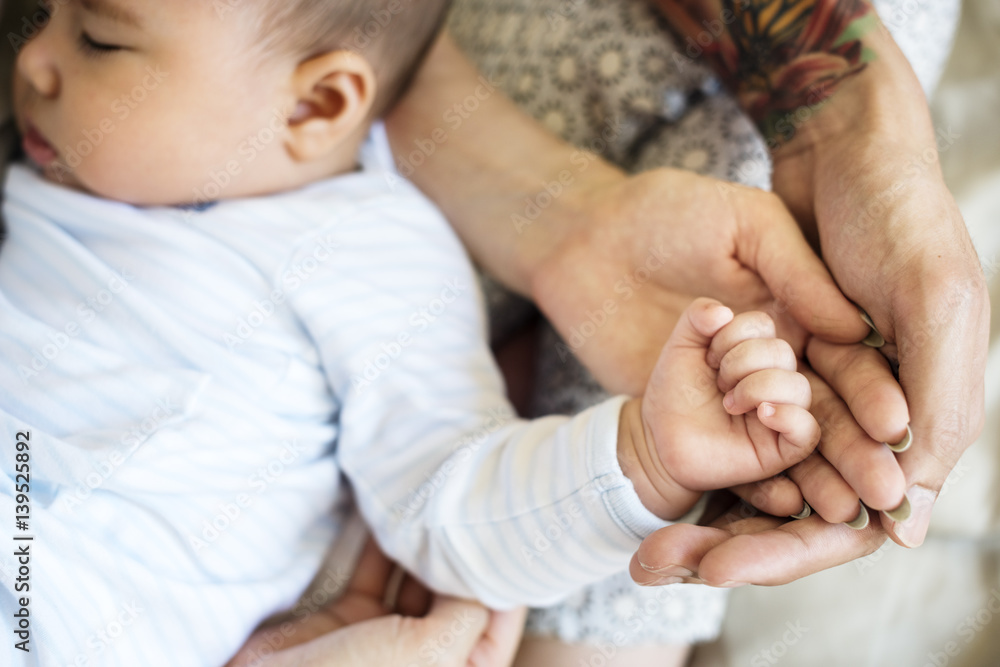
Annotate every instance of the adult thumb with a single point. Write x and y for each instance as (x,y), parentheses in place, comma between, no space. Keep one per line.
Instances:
(698,323)
(771,243)
(451,631)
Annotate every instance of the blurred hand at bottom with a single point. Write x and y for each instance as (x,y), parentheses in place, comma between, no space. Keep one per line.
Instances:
(359,630)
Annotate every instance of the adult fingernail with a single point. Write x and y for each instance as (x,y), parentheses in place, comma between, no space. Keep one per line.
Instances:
(912,532)
(766,410)
(728,400)
(901,513)
(668,570)
(806,511)
(732,584)
(860,522)
(662,581)
(874,338)
(903,444)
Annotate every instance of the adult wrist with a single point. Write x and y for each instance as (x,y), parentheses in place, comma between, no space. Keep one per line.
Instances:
(884,100)
(567,211)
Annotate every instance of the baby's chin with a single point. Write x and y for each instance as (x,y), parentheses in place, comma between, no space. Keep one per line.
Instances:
(59,174)
(106,181)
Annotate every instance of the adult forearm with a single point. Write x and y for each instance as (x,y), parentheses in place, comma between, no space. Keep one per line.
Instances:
(857,163)
(789,59)
(510,188)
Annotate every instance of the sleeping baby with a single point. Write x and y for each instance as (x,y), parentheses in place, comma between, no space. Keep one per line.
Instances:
(222,314)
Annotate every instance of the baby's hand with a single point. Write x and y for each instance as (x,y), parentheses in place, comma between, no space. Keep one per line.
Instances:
(724,406)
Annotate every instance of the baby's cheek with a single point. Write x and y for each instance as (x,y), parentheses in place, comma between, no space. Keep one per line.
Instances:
(110,175)
(132,170)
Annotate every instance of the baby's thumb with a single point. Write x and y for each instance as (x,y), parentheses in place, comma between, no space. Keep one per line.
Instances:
(699,323)
(683,373)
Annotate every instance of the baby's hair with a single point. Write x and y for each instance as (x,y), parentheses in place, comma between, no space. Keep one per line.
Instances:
(393,35)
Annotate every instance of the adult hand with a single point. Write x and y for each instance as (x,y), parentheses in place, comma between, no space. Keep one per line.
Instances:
(588,256)
(856,158)
(643,247)
(780,550)
(357,630)
(593,240)
(896,243)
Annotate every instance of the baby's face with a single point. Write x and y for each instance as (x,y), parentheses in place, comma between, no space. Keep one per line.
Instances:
(152,101)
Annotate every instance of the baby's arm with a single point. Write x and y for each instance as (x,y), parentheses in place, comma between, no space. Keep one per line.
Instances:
(467,497)
(472,500)
(724,406)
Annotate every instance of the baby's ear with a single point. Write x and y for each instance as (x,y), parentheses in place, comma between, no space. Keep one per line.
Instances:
(334,94)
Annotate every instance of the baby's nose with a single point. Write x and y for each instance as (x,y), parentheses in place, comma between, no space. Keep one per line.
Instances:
(37,67)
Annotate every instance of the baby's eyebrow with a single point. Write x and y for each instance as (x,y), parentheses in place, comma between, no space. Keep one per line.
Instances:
(112,11)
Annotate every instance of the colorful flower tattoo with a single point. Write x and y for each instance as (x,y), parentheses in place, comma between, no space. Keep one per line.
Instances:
(782,57)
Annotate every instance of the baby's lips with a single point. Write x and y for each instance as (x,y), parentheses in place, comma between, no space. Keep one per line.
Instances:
(37,147)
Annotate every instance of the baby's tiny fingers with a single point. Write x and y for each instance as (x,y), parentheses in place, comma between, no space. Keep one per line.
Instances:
(796,426)
(773,385)
(825,489)
(744,326)
(754,355)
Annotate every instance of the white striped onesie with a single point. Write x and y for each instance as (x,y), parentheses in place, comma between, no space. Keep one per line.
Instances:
(199,386)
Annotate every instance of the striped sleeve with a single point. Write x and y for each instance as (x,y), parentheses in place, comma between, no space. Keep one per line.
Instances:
(472,500)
